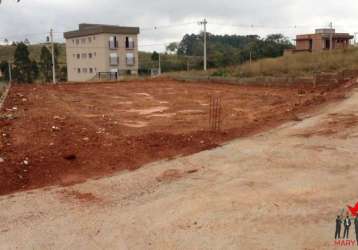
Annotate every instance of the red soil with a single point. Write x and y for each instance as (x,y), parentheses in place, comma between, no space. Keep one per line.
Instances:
(65,134)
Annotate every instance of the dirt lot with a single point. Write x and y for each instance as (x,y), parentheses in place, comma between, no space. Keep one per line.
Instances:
(65,134)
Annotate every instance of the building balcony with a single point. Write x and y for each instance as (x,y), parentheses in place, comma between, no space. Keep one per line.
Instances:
(130,45)
(113,45)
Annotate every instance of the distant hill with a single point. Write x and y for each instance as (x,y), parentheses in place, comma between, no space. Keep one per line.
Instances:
(7,51)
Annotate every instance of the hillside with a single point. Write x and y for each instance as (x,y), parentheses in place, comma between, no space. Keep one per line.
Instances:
(7,51)
(288,65)
(300,64)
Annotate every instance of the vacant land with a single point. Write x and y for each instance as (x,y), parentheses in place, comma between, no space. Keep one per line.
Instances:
(65,134)
(281,189)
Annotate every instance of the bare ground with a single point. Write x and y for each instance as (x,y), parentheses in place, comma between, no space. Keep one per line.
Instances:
(66,134)
(279,189)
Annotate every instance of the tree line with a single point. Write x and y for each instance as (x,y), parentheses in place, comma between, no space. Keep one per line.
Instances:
(227,50)
(222,51)
(26,70)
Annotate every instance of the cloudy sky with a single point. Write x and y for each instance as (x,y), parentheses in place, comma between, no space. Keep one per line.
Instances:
(33,18)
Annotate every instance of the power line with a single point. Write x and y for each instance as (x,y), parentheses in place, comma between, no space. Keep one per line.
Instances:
(261,26)
(166,26)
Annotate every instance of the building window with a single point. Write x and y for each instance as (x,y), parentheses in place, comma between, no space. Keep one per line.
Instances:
(113,59)
(78,70)
(90,39)
(91,70)
(95,54)
(83,40)
(77,41)
(84,56)
(94,38)
(78,56)
(84,70)
(90,55)
(73,41)
(113,44)
(130,59)
(129,42)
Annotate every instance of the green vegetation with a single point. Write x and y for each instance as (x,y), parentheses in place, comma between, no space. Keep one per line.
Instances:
(7,52)
(28,66)
(230,50)
(300,64)
(289,65)
(223,51)
(2,87)
(169,62)
(25,70)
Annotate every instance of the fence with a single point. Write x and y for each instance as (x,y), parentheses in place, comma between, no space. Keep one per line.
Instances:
(334,79)
(215,113)
(4,88)
(319,79)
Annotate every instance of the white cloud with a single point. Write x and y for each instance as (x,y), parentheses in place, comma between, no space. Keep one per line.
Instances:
(33,18)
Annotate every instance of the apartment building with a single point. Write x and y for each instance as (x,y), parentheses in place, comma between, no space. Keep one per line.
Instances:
(322,40)
(101,50)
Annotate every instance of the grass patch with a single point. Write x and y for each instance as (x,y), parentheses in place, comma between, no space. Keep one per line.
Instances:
(300,64)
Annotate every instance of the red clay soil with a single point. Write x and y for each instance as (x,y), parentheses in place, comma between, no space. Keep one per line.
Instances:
(65,134)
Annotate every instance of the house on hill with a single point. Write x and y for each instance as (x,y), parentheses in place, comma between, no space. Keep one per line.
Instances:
(101,51)
(323,39)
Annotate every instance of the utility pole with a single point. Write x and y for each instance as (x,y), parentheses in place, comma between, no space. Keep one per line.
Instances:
(204,22)
(331,36)
(10,74)
(53,58)
(160,65)
(355,38)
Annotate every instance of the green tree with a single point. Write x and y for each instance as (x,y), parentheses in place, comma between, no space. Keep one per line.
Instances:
(46,64)
(155,56)
(34,70)
(4,68)
(63,74)
(172,47)
(23,66)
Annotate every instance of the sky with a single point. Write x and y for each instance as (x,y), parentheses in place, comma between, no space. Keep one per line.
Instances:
(164,21)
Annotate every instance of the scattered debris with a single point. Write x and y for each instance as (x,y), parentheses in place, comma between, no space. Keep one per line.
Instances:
(14,108)
(192,171)
(101,131)
(170,175)
(54,128)
(7,117)
(2,160)
(296,118)
(70,157)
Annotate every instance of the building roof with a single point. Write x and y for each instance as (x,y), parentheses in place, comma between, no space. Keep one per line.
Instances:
(334,36)
(86,29)
(324,33)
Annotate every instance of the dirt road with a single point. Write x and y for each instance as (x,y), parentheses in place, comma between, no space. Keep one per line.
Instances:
(65,134)
(280,189)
